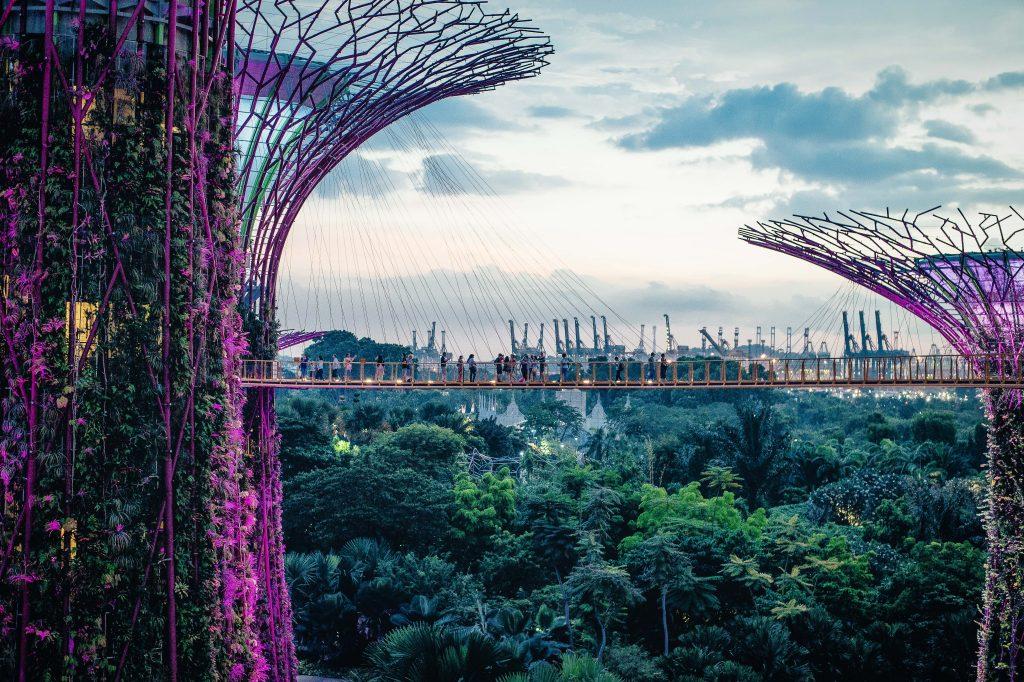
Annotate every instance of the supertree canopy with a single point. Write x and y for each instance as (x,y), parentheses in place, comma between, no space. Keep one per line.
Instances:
(965,278)
(314,84)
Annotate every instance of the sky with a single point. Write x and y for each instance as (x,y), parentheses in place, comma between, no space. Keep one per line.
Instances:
(615,181)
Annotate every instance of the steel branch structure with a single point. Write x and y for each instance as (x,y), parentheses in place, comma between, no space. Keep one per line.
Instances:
(316,81)
(287,339)
(966,279)
(313,82)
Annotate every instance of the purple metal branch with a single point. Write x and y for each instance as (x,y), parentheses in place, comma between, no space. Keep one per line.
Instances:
(315,81)
(290,338)
(965,280)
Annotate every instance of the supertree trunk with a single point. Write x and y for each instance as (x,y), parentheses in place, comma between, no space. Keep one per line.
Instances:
(1002,622)
(128,509)
(273,615)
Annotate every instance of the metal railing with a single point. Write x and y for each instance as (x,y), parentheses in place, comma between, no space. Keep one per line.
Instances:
(928,370)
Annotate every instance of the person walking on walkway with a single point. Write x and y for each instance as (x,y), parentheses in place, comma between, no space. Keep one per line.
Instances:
(471,361)
(348,366)
(650,368)
(444,367)
(499,366)
(407,368)
(378,373)
(303,366)
(563,368)
(663,374)
(335,368)
(620,366)
(460,370)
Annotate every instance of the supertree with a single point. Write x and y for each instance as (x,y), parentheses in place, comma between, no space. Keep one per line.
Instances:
(314,82)
(965,278)
(128,508)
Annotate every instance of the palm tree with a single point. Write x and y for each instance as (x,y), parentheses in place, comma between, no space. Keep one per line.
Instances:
(574,668)
(767,646)
(421,609)
(552,516)
(366,564)
(427,653)
(747,572)
(721,479)
(319,602)
(361,558)
(598,445)
(759,443)
(605,587)
(785,610)
(454,421)
(530,639)
(601,511)
(662,566)
(792,582)
(789,539)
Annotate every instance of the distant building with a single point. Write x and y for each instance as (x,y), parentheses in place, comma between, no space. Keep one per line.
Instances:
(487,407)
(597,419)
(577,400)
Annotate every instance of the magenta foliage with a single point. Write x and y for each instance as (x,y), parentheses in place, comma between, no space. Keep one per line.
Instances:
(46,357)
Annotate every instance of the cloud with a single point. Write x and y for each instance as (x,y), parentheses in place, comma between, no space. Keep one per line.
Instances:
(830,136)
(982,109)
(359,176)
(893,87)
(916,193)
(1006,80)
(447,174)
(782,111)
(944,130)
(657,298)
(864,162)
(550,111)
(617,124)
(455,116)
(779,111)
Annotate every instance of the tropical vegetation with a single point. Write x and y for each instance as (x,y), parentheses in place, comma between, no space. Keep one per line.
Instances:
(719,536)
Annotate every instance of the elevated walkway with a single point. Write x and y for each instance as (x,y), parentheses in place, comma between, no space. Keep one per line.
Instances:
(951,371)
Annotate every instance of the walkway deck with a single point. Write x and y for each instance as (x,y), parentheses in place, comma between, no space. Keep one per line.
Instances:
(932,371)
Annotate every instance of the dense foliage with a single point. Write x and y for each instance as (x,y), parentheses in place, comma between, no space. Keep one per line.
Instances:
(724,536)
(340,343)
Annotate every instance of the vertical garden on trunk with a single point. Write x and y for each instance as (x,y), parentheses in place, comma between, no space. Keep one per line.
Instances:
(127,503)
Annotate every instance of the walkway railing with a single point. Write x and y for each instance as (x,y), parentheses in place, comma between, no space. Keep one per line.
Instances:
(929,370)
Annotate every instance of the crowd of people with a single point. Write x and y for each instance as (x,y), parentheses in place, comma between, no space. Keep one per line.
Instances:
(510,368)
